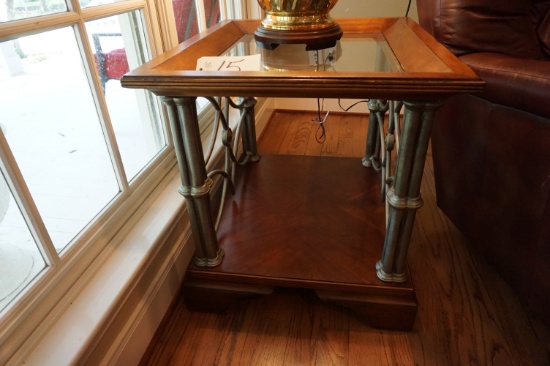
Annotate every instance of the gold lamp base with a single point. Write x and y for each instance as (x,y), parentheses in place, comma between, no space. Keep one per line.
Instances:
(298,21)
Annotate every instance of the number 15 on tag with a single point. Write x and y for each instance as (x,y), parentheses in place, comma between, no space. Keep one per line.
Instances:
(230,63)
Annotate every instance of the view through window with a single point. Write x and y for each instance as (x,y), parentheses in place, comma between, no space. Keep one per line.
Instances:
(192,16)
(73,142)
(59,135)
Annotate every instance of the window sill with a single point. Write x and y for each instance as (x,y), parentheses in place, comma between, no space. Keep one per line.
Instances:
(123,286)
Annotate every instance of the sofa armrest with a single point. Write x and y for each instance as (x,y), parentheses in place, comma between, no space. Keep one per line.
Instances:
(514,82)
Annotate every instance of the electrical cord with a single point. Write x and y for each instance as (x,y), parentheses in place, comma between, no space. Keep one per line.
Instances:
(408,8)
(320,134)
(351,106)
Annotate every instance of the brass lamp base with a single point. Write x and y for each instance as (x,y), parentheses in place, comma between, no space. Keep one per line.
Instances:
(314,39)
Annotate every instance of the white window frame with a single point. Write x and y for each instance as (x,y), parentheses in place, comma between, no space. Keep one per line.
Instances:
(37,310)
(52,290)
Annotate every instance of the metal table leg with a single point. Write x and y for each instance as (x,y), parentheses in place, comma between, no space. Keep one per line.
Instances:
(404,196)
(249,130)
(196,186)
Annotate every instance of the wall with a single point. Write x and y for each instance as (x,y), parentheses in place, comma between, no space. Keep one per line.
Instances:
(354,9)
(373,9)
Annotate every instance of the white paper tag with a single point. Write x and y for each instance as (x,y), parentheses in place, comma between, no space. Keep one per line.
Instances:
(230,63)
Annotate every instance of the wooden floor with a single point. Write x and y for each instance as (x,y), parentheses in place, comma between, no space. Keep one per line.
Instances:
(466,315)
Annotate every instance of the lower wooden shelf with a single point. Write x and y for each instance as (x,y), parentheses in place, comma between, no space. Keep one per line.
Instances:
(306,222)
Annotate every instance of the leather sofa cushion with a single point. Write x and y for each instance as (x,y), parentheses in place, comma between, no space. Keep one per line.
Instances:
(513,82)
(506,27)
(541,15)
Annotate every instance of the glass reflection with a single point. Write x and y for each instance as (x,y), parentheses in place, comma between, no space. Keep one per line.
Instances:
(370,54)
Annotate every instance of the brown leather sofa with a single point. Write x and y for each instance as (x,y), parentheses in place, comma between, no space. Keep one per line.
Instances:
(492,151)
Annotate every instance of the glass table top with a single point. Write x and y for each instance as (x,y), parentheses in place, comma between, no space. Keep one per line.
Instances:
(361,54)
(384,58)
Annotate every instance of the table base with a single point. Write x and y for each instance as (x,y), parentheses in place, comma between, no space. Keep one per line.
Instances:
(314,223)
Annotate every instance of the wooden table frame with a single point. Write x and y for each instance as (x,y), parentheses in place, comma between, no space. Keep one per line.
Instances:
(429,74)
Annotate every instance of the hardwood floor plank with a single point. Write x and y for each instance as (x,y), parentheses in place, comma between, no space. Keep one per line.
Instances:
(290,143)
(332,348)
(299,139)
(301,344)
(466,316)
(470,318)
(279,124)
(234,346)
(376,347)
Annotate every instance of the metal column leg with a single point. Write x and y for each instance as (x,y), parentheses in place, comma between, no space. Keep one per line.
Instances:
(249,130)
(404,197)
(372,153)
(196,185)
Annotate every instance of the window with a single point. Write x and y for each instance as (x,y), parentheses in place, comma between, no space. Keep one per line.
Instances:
(78,153)
(77,148)
(192,17)
(187,20)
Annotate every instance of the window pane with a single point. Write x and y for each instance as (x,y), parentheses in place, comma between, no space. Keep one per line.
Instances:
(90,3)
(119,46)
(20,259)
(54,131)
(21,9)
(185,14)
(212,12)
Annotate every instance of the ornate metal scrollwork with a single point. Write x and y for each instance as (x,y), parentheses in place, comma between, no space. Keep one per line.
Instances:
(232,138)
(384,145)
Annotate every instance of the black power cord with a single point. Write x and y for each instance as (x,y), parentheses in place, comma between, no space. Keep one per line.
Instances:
(320,134)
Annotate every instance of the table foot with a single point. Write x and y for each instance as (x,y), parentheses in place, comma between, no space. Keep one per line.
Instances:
(389,277)
(209,262)
(382,312)
(218,296)
(378,312)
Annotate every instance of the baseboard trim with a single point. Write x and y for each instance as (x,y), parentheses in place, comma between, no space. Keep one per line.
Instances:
(138,318)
